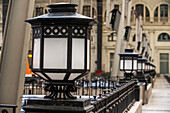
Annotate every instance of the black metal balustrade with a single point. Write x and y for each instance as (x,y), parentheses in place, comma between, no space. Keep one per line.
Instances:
(113,97)
(34,86)
(117,100)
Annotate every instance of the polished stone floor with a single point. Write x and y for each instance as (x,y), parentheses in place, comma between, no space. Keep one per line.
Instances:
(160,99)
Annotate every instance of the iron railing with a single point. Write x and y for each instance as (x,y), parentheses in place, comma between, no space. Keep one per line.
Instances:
(109,94)
(117,100)
(35,86)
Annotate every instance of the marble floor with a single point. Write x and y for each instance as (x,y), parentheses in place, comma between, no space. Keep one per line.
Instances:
(160,99)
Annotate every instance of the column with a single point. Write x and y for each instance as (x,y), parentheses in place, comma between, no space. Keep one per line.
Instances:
(14,52)
(108,13)
(120,34)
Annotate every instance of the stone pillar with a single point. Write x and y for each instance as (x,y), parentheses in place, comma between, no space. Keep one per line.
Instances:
(120,34)
(159,17)
(144,13)
(14,52)
(80,7)
(137,30)
(108,13)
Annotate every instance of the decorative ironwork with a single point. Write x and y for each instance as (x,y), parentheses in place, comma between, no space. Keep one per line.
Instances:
(56,31)
(78,31)
(37,32)
(4,111)
(59,91)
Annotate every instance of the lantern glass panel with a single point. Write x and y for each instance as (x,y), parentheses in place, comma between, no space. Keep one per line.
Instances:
(128,64)
(78,53)
(121,64)
(36,54)
(74,75)
(146,67)
(55,53)
(139,66)
(41,75)
(56,76)
(88,54)
(143,65)
(134,64)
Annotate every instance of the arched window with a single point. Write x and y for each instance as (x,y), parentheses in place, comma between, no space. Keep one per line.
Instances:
(39,11)
(134,38)
(94,15)
(139,9)
(164,13)
(86,11)
(156,15)
(147,19)
(164,37)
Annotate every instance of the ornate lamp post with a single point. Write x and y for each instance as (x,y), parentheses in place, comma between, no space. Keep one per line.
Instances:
(141,65)
(61,48)
(128,63)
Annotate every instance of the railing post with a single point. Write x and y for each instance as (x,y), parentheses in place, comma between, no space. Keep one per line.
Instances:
(137,92)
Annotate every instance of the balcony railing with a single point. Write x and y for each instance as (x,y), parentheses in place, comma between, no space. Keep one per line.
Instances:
(164,19)
(147,19)
(155,20)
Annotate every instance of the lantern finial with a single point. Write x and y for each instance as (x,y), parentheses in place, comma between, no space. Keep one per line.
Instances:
(62,7)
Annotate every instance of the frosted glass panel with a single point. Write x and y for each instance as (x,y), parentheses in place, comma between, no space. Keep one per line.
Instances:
(135,64)
(36,54)
(121,64)
(128,64)
(146,67)
(40,74)
(139,66)
(78,54)
(74,75)
(88,54)
(56,76)
(55,53)
(143,65)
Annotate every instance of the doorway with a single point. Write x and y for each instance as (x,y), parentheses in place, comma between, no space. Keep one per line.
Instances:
(164,63)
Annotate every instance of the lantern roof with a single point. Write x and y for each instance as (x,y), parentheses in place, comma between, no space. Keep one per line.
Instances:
(128,27)
(141,59)
(147,63)
(64,12)
(128,52)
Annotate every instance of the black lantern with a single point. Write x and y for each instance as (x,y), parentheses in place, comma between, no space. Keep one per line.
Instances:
(147,66)
(61,47)
(115,19)
(127,33)
(141,64)
(128,62)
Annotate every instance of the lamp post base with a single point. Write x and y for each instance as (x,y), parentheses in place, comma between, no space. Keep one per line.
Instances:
(128,76)
(78,105)
(60,90)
